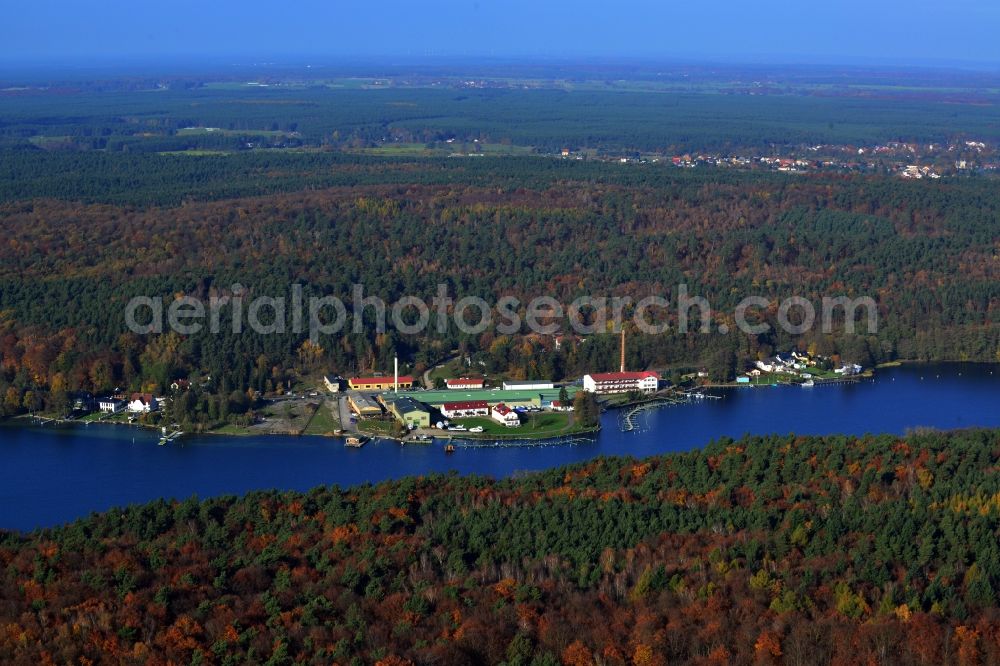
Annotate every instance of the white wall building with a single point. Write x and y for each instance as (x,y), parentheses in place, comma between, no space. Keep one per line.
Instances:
(503,414)
(465,408)
(142,403)
(110,405)
(515,385)
(464,384)
(604,383)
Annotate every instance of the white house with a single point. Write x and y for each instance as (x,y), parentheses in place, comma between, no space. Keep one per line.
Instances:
(111,405)
(604,383)
(332,383)
(560,406)
(142,403)
(503,414)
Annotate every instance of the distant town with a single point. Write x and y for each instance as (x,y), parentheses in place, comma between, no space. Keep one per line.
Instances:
(906,160)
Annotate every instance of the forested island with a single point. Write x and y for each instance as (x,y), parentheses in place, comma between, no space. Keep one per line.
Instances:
(795,550)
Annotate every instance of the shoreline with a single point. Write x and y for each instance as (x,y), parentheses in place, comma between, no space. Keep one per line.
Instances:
(448,436)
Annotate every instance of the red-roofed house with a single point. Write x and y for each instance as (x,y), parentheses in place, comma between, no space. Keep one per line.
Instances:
(621,382)
(466,383)
(465,408)
(379,383)
(503,414)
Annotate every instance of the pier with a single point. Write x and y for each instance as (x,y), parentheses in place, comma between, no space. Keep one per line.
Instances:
(166,439)
(629,420)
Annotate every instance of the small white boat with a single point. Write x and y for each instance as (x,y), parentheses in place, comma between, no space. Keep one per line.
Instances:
(807,383)
(476,429)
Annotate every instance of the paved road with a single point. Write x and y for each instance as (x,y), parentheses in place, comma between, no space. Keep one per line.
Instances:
(345,415)
(428,384)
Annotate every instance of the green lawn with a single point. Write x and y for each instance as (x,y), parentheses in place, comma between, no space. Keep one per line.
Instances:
(230,429)
(202,131)
(441,149)
(533,425)
(195,152)
(324,421)
(388,428)
(454,368)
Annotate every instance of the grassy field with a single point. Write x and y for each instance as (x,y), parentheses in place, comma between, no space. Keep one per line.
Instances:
(324,421)
(199,131)
(444,149)
(387,428)
(538,425)
(454,368)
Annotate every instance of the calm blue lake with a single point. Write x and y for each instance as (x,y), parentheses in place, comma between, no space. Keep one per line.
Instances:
(52,475)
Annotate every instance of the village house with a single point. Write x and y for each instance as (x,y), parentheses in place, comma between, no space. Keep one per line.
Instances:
(505,415)
(110,405)
(332,383)
(142,403)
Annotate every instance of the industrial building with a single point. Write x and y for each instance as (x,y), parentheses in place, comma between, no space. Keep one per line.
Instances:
(515,385)
(525,398)
(410,412)
(604,383)
(362,405)
(379,383)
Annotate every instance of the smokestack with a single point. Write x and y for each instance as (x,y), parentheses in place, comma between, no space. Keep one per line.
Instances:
(395,374)
(623,350)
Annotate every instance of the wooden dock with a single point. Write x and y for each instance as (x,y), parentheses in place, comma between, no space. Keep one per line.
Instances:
(356,441)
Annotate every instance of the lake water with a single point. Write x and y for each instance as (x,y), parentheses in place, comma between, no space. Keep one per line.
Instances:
(50,475)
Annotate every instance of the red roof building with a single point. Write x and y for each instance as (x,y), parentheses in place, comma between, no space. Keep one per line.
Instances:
(379,383)
(465,408)
(467,383)
(621,382)
(503,414)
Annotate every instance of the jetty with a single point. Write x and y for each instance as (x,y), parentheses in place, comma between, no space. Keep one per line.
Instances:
(630,419)
(166,439)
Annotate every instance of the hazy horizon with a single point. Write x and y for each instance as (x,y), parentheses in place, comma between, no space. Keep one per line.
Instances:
(919,34)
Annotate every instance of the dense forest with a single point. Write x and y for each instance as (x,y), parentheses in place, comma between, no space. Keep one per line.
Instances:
(787,550)
(84,232)
(111,189)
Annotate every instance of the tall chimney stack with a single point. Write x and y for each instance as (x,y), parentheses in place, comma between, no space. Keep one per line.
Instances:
(395,374)
(623,350)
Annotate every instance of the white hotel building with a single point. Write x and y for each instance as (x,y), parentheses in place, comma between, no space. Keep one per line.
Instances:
(621,382)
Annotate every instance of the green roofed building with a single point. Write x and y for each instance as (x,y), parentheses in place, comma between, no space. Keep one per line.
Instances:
(408,411)
(525,398)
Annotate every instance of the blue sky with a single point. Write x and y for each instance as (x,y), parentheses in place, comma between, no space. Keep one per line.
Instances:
(882,31)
